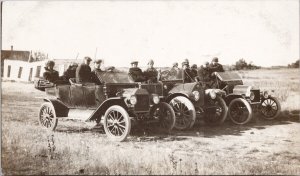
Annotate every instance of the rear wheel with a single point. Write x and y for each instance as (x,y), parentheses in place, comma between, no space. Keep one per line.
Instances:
(166,116)
(270,108)
(117,123)
(216,114)
(240,111)
(47,116)
(184,112)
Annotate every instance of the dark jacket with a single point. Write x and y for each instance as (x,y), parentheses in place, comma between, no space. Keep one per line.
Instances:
(69,73)
(194,74)
(204,74)
(51,75)
(136,74)
(188,75)
(216,68)
(94,76)
(151,75)
(83,73)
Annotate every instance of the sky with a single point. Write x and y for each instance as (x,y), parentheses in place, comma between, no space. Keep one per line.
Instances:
(264,32)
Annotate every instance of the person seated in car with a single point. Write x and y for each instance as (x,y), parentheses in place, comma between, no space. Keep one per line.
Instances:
(83,71)
(50,74)
(215,66)
(187,75)
(70,72)
(96,71)
(151,73)
(204,74)
(194,72)
(136,73)
(174,71)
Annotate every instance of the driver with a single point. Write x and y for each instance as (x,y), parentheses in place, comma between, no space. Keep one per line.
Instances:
(151,73)
(83,71)
(136,73)
(50,74)
(97,69)
(187,74)
(215,66)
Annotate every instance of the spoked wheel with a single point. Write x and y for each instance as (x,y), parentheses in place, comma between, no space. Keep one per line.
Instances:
(47,116)
(184,111)
(117,123)
(270,108)
(240,111)
(165,114)
(216,114)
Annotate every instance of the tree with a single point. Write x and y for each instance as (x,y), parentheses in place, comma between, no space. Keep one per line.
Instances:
(294,65)
(241,64)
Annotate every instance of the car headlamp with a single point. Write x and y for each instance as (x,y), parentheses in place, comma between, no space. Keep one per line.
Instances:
(265,94)
(155,99)
(213,94)
(133,100)
(196,95)
(252,96)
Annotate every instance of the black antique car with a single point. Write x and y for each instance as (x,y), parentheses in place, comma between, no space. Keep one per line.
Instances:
(189,100)
(117,105)
(242,99)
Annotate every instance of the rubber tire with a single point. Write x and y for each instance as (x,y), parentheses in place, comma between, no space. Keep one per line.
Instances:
(248,107)
(170,109)
(126,119)
(48,104)
(207,119)
(278,108)
(193,118)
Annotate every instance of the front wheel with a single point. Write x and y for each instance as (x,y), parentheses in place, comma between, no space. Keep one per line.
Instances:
(240,111)
(47,116)
(216,114)
(185,112)
(270,108)
(165,114)
(117,123)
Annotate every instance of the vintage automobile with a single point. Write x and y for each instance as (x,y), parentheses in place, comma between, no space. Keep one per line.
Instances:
(242,99)
(118,106)
(189,100)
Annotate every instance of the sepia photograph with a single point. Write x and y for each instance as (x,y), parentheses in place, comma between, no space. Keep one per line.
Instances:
(162,87)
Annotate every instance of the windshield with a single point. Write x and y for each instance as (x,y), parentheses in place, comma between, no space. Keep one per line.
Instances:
(228,76)
(114,77)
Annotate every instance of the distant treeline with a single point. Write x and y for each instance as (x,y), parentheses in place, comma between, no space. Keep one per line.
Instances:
(294,65)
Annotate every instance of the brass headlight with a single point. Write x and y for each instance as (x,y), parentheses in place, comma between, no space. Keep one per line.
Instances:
(133,100)
(252,96)
(212,94)
(196,95)
(155,99)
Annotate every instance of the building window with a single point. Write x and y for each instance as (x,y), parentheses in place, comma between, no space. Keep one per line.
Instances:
(38,71)
(20,72)
(8,71)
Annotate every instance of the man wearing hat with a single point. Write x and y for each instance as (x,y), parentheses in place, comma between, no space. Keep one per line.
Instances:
(187,74)
(50,74)
(194,72)
(174,71)
(136,73)
(204,73)
(151,73)
(215,66)
(96,71)
(83,71)
(70,72)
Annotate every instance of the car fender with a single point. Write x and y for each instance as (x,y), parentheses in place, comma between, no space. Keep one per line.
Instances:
(100,111)
(60,108)
(230,97)
(171,96)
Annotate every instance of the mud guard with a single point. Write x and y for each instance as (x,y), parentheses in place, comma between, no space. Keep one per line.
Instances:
(230,97)
(61,109)
(171,96)
(97,114)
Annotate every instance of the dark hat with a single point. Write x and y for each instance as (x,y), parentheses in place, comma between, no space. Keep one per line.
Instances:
(175,64)
(74,64)
(87,58)
(98,61)
(49,63)
(194,66)
(111,68)
(215,59)
(185,63)
(150,61)
(134,62)
(186,60)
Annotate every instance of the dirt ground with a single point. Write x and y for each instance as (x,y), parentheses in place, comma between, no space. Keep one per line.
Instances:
(260,147)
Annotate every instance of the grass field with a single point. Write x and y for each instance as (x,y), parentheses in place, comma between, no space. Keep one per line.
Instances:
(260,147)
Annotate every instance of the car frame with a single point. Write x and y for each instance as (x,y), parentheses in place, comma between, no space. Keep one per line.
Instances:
(119,106)
(243,100)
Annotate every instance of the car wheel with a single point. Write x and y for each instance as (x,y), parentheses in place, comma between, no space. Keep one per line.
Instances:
(216,114)
(240,111)
(47,116)
(165,114)
(117,123)
(184,112)
(270,108)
